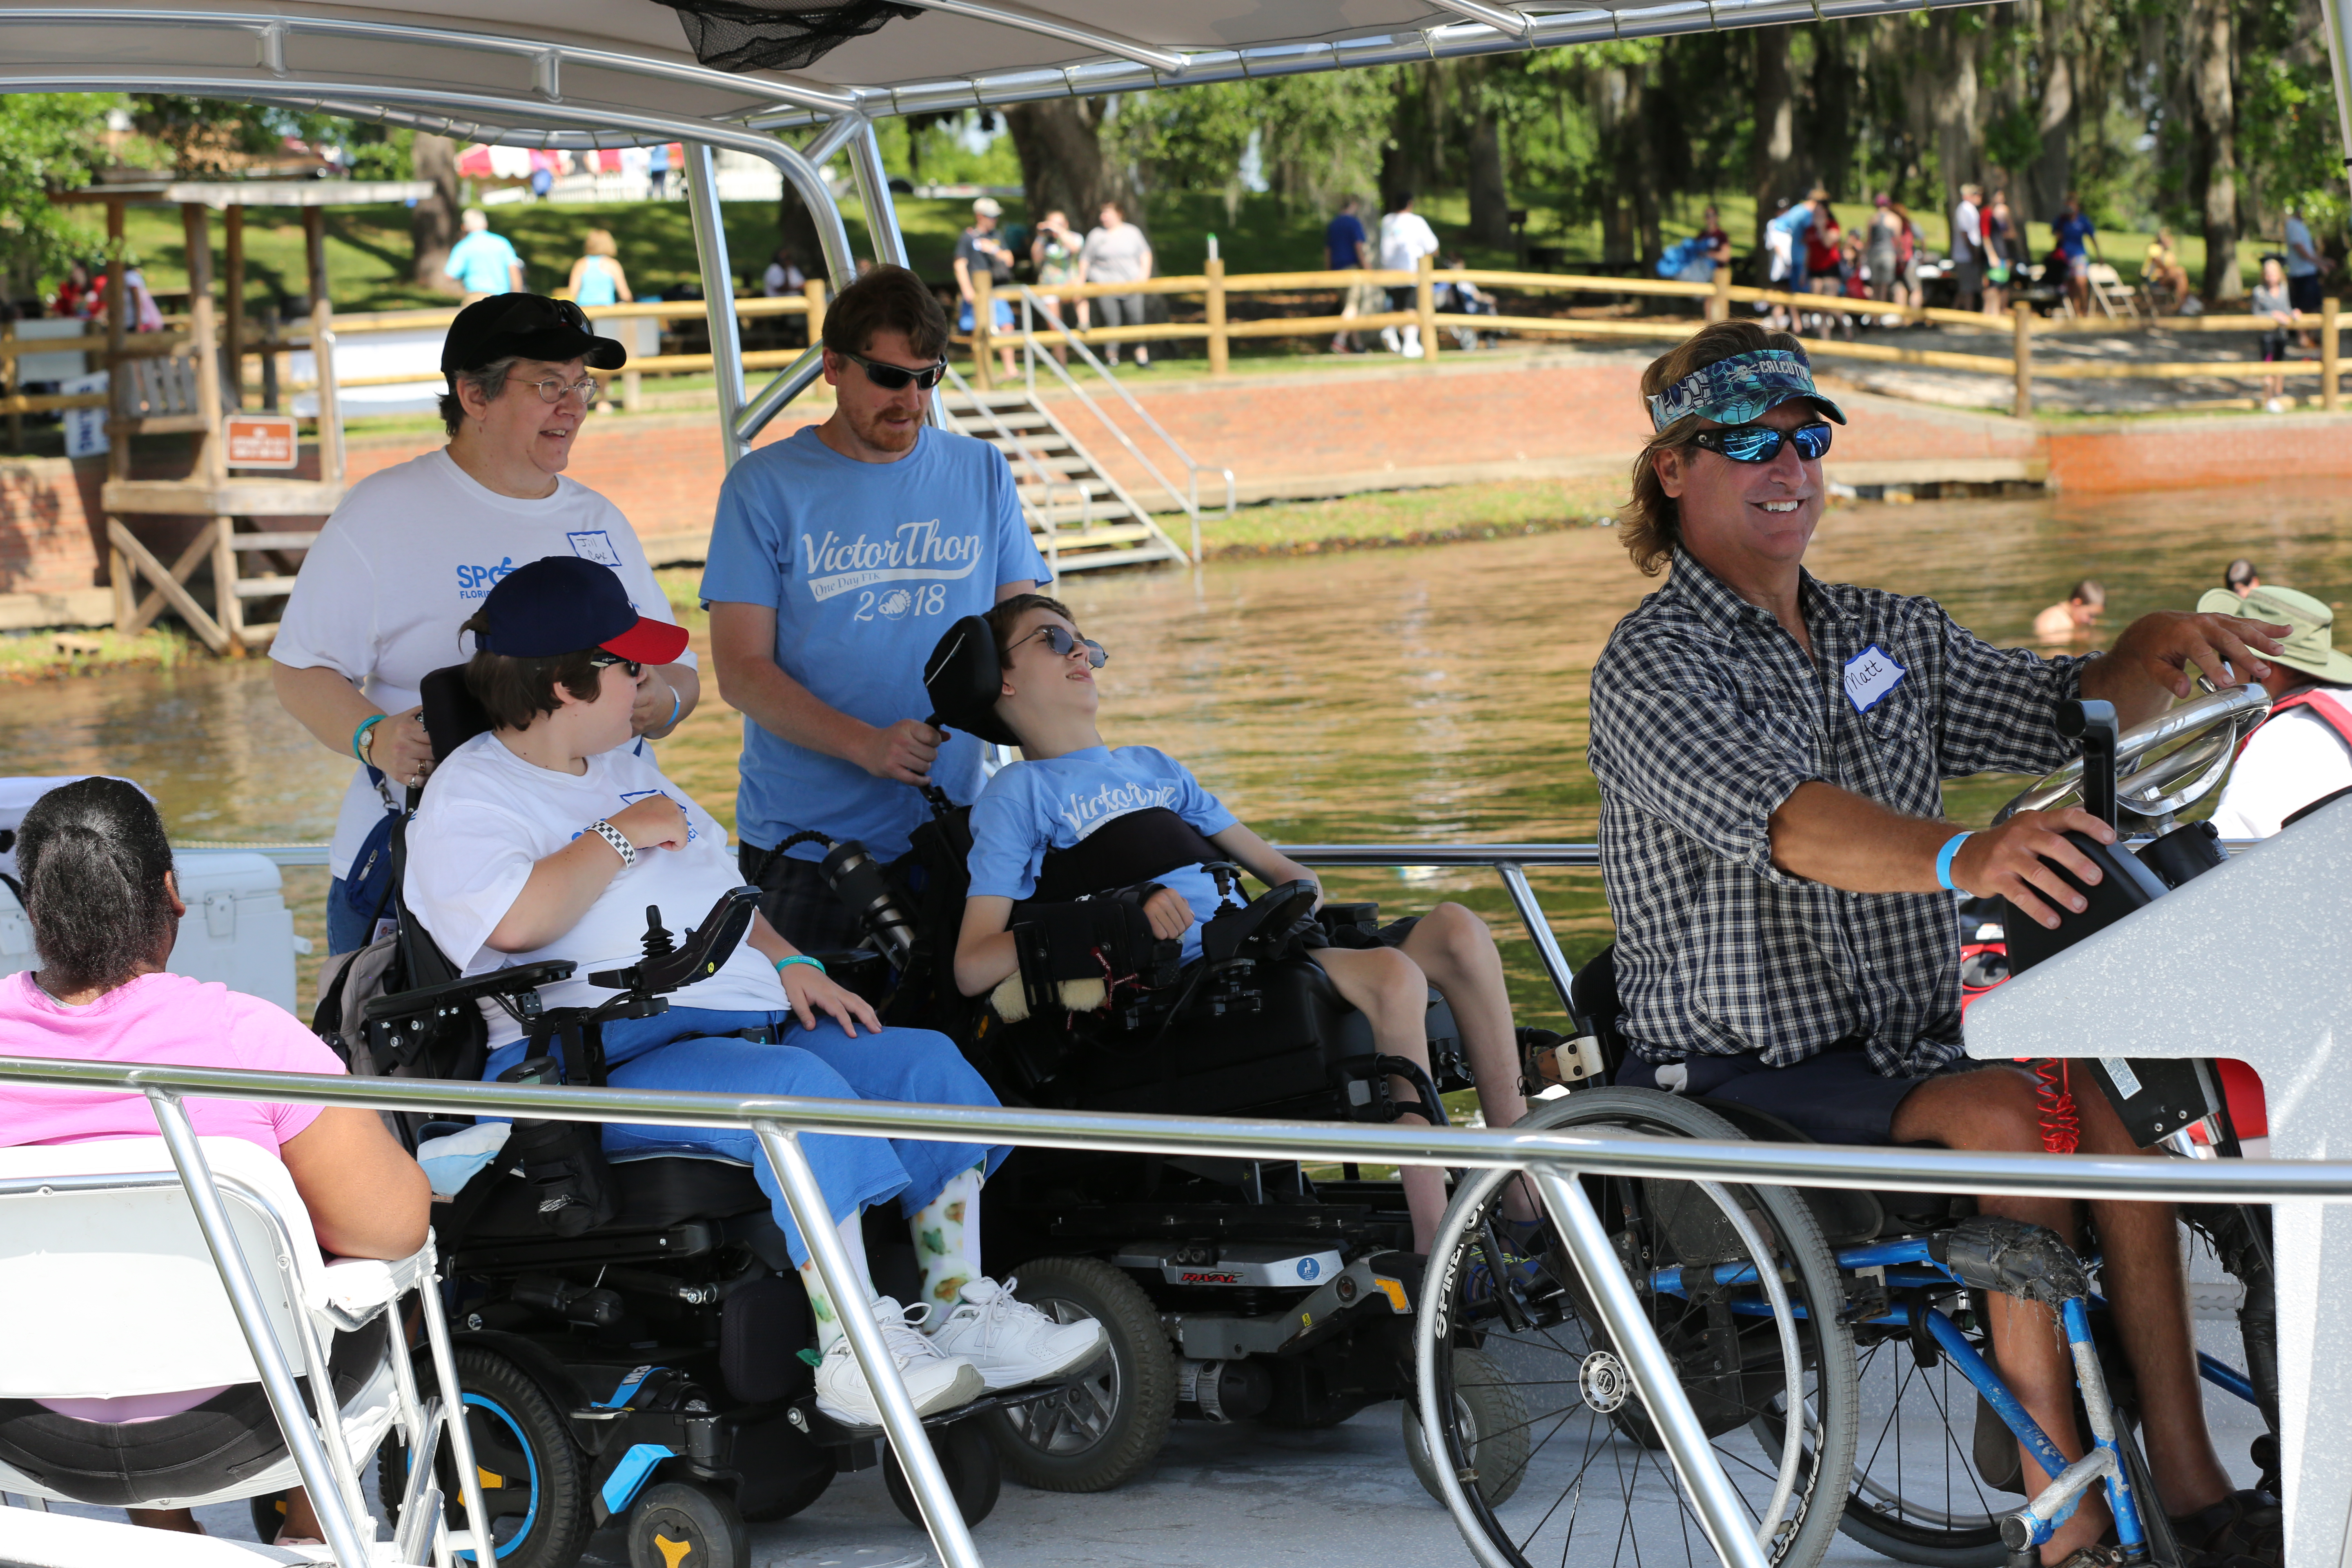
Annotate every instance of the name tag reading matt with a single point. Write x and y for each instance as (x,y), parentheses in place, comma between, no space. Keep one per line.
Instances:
(1870,675)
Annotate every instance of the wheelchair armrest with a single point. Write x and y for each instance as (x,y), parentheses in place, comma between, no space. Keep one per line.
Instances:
(705,947)
(1270,918)
(471,988)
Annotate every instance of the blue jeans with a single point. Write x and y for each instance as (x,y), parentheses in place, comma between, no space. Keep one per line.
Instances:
(674,1050)
(347,929)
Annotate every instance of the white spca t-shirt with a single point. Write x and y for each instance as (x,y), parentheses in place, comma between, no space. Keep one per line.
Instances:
(405,560)
(490,817)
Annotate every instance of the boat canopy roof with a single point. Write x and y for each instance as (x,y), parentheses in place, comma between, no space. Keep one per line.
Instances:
(613,72)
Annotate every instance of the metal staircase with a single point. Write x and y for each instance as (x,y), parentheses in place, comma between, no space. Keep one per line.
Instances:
(1083,519)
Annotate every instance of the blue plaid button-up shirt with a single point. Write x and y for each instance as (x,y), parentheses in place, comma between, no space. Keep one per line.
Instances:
(1705,716)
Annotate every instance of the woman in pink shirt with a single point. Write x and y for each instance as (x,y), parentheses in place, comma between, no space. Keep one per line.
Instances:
(99,888)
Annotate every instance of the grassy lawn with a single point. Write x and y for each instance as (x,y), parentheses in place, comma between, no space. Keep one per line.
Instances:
(1406,517)
(368,246)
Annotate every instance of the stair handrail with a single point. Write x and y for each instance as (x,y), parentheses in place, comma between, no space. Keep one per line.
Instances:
(1188,500)
(1046,483)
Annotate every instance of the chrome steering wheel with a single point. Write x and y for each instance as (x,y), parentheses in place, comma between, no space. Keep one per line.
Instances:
(2171,762)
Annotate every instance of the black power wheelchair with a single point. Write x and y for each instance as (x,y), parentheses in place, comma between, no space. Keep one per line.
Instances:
(628,1334)
(1834,1345)
(1229,1288)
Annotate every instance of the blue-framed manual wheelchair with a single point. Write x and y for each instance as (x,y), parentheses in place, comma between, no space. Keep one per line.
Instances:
(629,1333)
(1229,1288)
(1833,1345)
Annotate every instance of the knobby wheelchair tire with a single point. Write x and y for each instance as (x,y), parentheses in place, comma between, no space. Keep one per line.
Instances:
(534,1483)
(1106,1427)
(1594,1476)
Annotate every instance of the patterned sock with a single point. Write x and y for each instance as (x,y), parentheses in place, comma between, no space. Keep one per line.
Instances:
(947,1240)
(821,1308)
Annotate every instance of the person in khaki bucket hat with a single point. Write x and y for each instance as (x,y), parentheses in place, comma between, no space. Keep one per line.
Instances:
(2303,752)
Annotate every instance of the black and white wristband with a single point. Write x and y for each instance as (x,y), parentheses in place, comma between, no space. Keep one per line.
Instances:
(618,840)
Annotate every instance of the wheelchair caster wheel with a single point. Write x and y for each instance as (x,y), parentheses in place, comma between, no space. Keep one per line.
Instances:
(269,1516)
(971,1465)
(675,1525)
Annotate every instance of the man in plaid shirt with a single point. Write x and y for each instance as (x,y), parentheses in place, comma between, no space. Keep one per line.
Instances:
(1770,751)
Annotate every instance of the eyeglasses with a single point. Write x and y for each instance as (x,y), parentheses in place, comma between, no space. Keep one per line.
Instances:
(608,660)
(895,378)
(1762,442)
(1065,642)
(551,390)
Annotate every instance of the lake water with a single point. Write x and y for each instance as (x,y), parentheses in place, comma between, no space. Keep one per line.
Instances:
(1433,694)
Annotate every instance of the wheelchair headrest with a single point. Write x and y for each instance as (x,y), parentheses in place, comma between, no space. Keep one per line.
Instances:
(964,677)
(451,715)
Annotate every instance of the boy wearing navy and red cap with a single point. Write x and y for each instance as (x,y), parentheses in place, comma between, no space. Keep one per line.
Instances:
(547,836)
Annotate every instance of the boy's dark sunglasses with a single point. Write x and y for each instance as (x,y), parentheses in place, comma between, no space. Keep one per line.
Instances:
(1762,442)
(1063,642)
(895,378)
(606,661)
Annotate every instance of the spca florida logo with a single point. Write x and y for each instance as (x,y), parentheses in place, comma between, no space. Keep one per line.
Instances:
(476,582)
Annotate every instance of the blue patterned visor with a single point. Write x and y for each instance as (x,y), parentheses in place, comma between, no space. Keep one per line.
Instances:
(1740,390)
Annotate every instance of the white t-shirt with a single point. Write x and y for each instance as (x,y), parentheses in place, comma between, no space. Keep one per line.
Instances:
(1405,239)
(490,817)
(2292,760)
(405,560)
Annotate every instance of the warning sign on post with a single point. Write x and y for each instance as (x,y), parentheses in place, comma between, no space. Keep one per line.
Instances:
(262,441)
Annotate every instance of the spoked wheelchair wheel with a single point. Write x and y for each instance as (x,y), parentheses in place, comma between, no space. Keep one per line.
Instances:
(1917,1494)
(1744,1295)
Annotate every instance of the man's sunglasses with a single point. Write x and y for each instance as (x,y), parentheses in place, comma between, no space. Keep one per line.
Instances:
(608,660)
(1065,642)
(1762,442)
(896,377)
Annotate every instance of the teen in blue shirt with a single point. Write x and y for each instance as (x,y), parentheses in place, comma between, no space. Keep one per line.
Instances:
(838,557)
(1069,784)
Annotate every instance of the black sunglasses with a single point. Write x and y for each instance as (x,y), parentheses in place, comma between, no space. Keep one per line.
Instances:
(608,660)
(1762,442)
(895,378)
(1065,642)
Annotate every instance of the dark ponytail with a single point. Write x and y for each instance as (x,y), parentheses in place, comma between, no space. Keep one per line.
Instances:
(93,855)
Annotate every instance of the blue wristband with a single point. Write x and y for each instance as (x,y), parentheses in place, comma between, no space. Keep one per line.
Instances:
(785,963)
(359,737)
(1944,860)
(676,702)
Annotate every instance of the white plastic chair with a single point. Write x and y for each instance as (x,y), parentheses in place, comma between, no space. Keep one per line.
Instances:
(109,1288)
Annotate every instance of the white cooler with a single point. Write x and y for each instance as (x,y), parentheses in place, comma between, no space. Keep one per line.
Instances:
(237,930)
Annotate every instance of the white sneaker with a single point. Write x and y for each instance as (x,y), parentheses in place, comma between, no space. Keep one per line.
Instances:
(2275,405)
(1388,341)
(1011,1341)
(936,1381)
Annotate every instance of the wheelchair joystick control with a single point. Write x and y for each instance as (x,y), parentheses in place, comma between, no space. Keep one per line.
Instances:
(2093,723)
(658,943)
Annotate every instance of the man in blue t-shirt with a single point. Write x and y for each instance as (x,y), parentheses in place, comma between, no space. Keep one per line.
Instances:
(1347,248)
(2076,238)
(838,556)
(483,263)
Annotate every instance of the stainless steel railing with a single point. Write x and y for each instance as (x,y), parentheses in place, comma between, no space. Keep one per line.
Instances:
(1552,1157)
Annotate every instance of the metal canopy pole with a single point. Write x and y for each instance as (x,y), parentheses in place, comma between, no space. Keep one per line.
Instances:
(717,294)
(2339,58)
(854,1302)
(330,1493)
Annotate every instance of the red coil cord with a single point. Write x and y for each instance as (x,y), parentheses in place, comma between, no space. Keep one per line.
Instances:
(2061,1122)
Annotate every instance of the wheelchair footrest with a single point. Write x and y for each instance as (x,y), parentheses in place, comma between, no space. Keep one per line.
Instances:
(825,1430)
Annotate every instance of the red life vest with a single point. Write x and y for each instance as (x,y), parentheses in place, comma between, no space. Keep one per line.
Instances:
(2326,707)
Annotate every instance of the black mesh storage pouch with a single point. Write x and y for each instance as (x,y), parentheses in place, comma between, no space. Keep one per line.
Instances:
(777,34)
(563,1166)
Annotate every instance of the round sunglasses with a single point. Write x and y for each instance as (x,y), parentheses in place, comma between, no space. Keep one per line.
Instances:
(1065,642)
(1762,442)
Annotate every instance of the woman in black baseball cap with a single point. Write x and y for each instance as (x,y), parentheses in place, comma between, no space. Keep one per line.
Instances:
(413,549)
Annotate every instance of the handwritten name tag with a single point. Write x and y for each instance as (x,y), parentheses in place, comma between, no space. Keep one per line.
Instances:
(1870,675)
